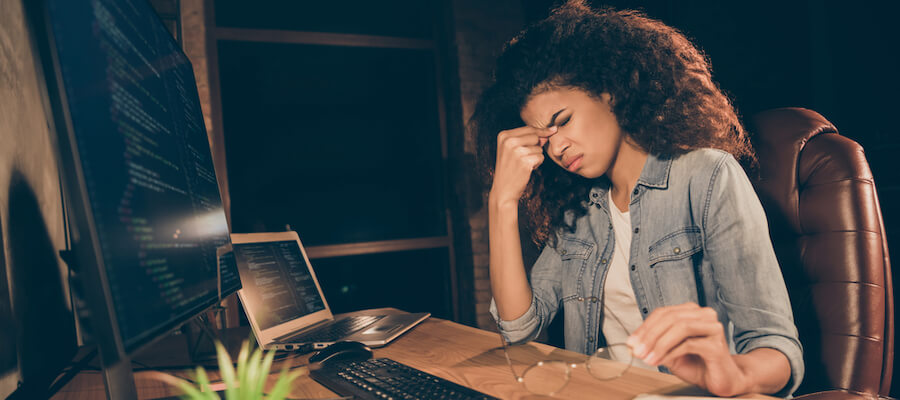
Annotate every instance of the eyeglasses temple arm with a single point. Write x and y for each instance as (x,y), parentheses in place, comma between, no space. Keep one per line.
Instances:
(505,346)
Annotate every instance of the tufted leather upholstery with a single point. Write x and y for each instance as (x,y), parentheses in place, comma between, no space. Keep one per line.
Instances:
(825,221)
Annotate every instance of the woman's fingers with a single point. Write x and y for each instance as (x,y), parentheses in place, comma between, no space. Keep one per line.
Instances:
(519,152)
(534,160)
(673,320)
(526,151)
(642,339)
(690,341)
(706,362)
(524,136)
(527,131)
(682,332)
(705,347)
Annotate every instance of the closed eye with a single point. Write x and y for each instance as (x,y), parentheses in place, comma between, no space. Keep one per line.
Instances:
(564,121)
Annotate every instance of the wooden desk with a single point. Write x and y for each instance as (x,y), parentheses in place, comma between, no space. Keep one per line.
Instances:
(462,354)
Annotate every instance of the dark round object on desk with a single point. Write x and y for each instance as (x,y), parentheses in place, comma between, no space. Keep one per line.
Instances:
(341,351)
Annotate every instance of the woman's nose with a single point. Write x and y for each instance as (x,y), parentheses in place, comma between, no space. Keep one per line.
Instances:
(556,145)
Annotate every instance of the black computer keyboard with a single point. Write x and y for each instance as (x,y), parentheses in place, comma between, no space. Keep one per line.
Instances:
(339,329)
(383,378)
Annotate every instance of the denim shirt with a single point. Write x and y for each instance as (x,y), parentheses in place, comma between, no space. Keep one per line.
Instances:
(699,234)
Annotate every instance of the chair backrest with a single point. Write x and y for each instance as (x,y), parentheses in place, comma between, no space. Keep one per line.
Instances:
(826,226)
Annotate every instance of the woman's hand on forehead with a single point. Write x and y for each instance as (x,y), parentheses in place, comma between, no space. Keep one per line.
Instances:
(519,153)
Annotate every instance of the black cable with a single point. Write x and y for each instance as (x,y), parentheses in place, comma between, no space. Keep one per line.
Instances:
(66,253)
(70,373)
(65,214)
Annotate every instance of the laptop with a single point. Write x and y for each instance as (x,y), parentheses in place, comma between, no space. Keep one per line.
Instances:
(285,304)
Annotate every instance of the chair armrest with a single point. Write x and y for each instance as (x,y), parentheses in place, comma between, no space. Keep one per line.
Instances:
(839,395)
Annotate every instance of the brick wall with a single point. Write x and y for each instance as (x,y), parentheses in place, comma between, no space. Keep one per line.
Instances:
(481,28)
(193,41)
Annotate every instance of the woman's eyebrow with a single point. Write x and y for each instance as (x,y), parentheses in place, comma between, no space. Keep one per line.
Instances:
(553,118)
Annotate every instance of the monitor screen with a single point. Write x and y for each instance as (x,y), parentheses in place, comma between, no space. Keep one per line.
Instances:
(137,157)
(229,279)
(278,285)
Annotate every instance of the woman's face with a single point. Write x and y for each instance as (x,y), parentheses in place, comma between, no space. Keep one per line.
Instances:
(588,138)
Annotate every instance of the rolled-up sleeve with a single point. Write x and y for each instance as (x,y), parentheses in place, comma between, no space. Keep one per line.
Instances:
(546,285)
(751,288)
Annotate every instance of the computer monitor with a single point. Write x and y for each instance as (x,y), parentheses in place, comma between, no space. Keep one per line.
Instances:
(229,276)
(144,207)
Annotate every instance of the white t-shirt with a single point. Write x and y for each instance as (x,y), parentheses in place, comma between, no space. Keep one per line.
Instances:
(618,294)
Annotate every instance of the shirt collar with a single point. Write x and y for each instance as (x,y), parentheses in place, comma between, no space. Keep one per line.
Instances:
(655,174)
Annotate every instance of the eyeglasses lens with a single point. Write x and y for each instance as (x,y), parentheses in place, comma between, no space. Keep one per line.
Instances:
(546,377)
(601,366)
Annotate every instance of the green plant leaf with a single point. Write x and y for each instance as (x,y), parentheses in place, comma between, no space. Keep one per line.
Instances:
(246,382)
(266,366)
(189,391)
(242,367)
(226,370)
(248,390)
(203,380)
(283,385)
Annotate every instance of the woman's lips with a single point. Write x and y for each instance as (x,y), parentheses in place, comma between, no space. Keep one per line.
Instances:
(575,164)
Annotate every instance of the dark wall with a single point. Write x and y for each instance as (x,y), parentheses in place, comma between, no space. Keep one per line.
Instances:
(34,310)
(837,58)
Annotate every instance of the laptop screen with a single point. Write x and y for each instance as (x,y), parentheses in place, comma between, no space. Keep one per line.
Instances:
(277,284)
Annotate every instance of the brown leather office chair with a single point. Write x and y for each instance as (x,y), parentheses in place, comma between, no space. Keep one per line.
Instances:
(826,226)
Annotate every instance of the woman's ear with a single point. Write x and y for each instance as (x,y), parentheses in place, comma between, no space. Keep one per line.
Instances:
(607,98)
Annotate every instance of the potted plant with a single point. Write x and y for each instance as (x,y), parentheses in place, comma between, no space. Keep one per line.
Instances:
(246,382)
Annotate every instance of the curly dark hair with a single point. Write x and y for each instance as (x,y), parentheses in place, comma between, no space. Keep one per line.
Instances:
(661,87)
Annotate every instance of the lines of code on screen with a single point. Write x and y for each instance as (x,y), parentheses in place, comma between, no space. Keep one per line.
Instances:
(146,162)
(277,283)
(229,280)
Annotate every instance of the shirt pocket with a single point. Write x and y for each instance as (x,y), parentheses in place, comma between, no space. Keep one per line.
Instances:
(673,260)
(675,246)
(572,250)
(574,254)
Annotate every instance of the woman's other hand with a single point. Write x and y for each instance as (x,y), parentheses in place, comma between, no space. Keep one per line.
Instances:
(690,341)
(519,152)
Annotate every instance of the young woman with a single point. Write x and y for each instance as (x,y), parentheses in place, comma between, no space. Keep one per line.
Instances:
(643,206)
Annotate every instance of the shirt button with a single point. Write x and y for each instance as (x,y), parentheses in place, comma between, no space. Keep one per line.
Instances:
(603,261)
(677,250)
(580,298)
(644,310)
(563,252)
(636,230)
(635,191)
(593,299)
(590,340)
(633,267)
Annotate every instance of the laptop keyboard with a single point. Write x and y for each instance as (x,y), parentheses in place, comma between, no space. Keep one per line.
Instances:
(338,329)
